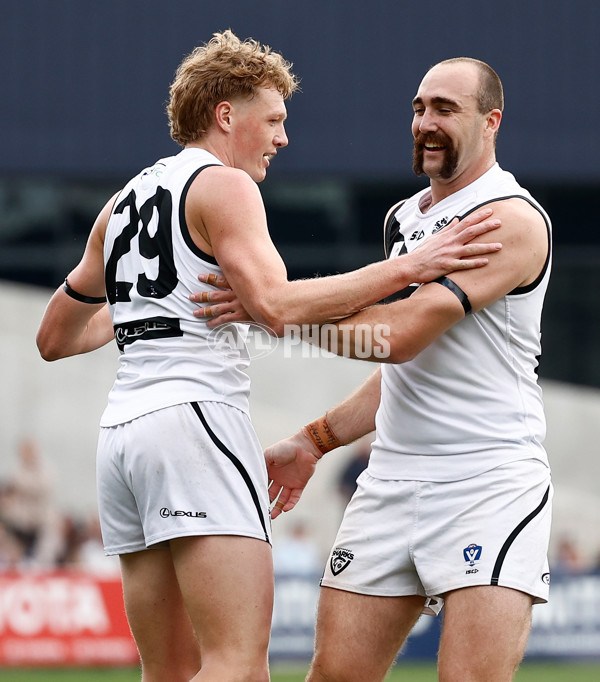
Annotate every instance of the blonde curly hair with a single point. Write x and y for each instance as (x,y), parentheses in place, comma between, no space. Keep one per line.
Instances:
(222,69)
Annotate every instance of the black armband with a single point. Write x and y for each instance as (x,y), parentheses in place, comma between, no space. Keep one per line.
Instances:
(80,297)
(457,291)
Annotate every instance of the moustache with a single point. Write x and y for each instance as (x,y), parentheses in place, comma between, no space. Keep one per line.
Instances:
(438,138)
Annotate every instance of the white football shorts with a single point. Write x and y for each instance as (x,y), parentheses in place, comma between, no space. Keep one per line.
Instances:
(402,538)
(186,470)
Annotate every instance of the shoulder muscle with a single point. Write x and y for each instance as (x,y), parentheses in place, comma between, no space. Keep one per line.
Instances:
(525,244)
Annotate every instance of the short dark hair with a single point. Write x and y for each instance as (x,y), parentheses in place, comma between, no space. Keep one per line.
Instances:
(491,93)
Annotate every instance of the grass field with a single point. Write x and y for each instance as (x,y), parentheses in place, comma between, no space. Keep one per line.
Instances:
(529,672)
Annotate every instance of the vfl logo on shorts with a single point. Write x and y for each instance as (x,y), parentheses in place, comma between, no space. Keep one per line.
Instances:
(472,553)
(166,513)
(340,559)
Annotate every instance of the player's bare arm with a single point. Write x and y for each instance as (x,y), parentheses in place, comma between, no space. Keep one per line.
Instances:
(226,211)
(70,326)
(416,322)
(291,462)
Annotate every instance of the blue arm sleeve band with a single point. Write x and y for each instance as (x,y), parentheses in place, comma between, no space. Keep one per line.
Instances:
(457,291)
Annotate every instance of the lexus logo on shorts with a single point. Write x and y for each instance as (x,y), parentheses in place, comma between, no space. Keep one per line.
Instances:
(165,512)
(340,559)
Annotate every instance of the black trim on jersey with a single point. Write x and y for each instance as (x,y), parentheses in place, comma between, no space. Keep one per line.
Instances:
(457,291)
(513,536)
(150,328)
(391,234)
(391,230)
(185,230)
(529,287)
(236,463)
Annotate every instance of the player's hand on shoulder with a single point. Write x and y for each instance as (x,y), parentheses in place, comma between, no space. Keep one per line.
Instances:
(525,240)
(453,248)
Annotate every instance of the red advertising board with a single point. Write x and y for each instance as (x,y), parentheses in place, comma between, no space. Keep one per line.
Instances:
(63,618)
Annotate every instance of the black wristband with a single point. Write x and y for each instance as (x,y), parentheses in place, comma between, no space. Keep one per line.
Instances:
(457,291)
(80,297)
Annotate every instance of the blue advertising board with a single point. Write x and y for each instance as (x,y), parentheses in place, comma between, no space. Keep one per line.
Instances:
(567,627)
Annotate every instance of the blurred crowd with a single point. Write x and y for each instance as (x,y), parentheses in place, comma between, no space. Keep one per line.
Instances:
(34,532)
(568,559)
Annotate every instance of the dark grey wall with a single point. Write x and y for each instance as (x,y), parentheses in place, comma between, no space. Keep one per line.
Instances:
(84,82)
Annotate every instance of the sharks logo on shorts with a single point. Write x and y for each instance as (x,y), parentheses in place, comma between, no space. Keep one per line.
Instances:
(472,553)
(340,559)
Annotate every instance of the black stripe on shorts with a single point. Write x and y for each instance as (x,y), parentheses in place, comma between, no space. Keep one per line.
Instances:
(236,463)
(513,536)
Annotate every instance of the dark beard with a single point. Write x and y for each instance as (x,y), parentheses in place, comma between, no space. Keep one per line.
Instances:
(450,154)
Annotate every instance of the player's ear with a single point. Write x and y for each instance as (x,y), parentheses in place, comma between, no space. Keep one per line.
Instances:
(223,115)
(493,119)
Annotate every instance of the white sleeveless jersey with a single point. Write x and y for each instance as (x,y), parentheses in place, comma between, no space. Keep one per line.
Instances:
(152,265)
(470,401)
